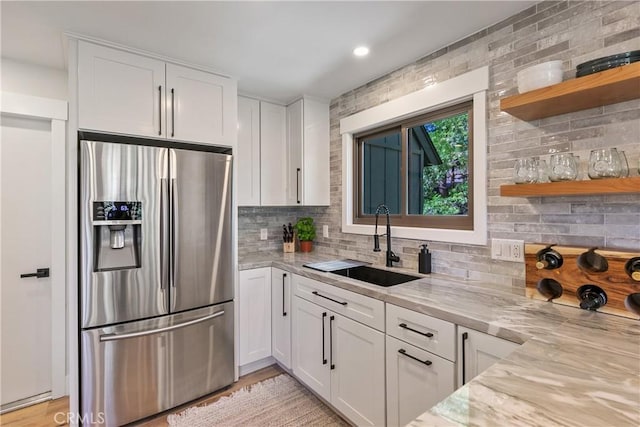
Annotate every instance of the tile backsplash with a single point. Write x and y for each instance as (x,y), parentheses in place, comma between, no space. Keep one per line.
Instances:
(573,32)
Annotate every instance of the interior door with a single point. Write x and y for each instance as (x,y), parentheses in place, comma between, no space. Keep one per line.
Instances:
(200,194)
(26,335)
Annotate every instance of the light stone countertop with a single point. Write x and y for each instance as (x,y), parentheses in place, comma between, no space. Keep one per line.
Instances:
(575,368)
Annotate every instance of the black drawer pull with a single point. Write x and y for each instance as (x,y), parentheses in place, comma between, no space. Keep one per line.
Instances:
(465,336)
(330,299)
(425,334)
(403,352)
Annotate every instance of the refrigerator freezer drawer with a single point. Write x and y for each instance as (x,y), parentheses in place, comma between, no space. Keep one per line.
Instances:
(138,369)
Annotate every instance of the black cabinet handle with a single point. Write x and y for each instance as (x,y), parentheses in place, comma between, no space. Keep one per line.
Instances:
(465,335)
(324,358)
(40,273)
(425,334)
(284,313)
(330,299)
(331,319)
(160,110)
(403,352)
(173,113)
(298,185)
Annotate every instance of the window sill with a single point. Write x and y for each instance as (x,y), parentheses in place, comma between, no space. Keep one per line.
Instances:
(469,237)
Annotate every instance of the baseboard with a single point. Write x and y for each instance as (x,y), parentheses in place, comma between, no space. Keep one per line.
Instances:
(254,366)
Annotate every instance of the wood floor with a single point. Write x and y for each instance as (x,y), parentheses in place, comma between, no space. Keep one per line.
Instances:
(44,414)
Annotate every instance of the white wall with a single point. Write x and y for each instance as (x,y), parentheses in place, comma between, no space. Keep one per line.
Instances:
(35,80)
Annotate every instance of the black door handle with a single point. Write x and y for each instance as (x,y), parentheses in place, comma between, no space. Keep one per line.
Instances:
(173,112)
(284,313)
(160,109)
(465,335)
(40,273)
(298,185)
(331,319)
(426,334)
(324,358)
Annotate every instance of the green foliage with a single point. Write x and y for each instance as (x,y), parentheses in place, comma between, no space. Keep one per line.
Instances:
(444,194)
(306,229)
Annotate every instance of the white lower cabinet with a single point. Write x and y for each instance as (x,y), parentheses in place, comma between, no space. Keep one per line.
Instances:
(356,358)
(340,359)
(254,309)
(416,381)
(281,316)
(478,351)
(420,360)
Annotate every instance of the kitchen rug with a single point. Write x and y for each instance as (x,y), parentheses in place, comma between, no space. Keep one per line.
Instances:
(279,401)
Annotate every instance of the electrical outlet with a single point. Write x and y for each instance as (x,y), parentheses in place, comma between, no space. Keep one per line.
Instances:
(263,234)
(325,231)
(507,250)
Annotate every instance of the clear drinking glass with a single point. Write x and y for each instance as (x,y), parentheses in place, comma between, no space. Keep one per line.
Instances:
(604,163)
(624,165)
(525,171)
(543,170)
(563,167)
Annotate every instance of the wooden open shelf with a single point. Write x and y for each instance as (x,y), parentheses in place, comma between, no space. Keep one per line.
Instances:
(606,87)
(570,188)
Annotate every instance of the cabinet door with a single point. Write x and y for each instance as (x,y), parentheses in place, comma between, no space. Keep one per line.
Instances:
(273,155)
(295,179)
(315,167)
(478,351)
(356,356)
(281,316)
(254,315)
(120,91)
(413,386)
(201,107)
(310,346)
(248,152)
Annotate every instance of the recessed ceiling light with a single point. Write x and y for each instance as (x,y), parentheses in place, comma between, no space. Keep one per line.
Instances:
(361,51)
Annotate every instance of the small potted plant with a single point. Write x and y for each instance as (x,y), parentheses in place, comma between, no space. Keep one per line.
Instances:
(306,231)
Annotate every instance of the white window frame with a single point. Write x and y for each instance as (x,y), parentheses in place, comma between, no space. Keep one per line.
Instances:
(469,86)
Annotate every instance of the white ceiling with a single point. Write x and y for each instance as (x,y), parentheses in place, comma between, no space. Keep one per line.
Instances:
(276,50)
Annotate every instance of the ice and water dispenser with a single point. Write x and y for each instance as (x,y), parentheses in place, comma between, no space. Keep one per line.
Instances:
(117,235)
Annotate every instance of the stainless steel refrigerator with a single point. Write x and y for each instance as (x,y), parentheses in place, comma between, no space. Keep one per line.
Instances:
(156,279)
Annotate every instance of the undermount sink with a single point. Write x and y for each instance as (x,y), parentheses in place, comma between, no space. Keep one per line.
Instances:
(375,276)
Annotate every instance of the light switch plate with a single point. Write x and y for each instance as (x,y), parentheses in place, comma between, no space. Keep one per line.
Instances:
(507,250)
(263,234)
(325,231)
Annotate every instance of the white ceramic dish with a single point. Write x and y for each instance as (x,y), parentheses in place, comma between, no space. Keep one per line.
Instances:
(541,75)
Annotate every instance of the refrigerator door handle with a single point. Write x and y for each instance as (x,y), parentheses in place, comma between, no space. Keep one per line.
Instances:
(164,238)
(172,251)
(116,337)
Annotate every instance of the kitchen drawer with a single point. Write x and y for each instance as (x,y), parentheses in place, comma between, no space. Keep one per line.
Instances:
(425,332)
(360,308)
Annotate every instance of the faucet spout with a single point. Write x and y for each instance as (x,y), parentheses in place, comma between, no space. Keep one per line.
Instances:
(391,257)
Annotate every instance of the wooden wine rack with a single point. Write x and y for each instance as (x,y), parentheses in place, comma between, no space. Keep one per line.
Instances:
(614,281)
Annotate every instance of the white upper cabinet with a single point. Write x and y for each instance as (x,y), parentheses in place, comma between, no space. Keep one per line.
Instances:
(248,152)
(308,153)
(293,153)
(122,92)
(199,106)
(273,155)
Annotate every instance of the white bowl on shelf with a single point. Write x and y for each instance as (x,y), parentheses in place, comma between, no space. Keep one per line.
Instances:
(541,75)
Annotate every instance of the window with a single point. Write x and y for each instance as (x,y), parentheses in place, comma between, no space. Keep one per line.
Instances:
(382,120)
(421,168)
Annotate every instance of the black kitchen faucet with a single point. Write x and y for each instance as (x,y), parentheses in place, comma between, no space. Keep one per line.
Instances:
(391,257)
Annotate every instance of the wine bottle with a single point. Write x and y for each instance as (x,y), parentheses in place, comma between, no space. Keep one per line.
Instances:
(632,267)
